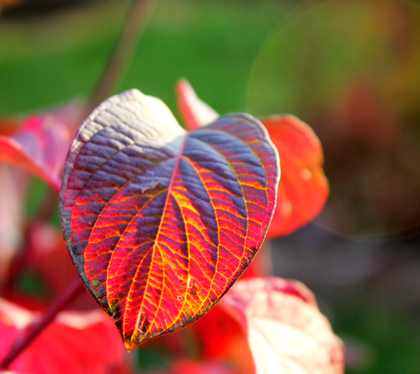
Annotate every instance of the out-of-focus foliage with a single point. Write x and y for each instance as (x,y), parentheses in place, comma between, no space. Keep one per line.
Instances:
(40,144)
(13,184)
(35,6)
(350,69)
(9,3)
(207,41)
(69,344)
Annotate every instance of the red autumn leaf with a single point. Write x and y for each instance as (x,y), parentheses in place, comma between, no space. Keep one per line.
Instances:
(285,330)
(8,125)
(303,187)
(40,145)
(219,334)
(76,343)
(220,337)
(194,112)
(160,222)
(262,265)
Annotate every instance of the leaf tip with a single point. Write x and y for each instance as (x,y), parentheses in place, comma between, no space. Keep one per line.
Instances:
(130,345)
(133,341)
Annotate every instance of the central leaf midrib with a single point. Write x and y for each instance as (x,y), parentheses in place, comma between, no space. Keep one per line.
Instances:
(178,157)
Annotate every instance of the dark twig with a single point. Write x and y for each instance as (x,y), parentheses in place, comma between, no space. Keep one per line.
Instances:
(120,55)
(75,289)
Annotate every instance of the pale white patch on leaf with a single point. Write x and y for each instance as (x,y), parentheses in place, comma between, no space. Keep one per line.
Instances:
(286,332)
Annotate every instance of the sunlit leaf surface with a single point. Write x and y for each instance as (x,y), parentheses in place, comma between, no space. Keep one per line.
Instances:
(303,187)
(160,222)
(286,332)
(74,343)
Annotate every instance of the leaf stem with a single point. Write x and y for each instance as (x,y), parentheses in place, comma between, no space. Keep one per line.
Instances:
(120,54)
(75,289)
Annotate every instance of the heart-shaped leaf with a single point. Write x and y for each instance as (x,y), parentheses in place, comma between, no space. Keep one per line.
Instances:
(160,222)
(303,188)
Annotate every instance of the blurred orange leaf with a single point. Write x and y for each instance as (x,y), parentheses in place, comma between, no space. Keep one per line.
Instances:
(303,188)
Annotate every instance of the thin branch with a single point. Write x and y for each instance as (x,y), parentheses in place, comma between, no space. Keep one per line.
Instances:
(121,53)
(76,288)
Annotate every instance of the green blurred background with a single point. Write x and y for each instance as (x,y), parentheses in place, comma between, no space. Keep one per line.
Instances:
(349,68)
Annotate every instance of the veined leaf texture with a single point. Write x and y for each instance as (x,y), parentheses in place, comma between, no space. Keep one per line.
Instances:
(158,221)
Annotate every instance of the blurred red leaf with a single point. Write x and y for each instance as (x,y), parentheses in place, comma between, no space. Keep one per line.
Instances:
(8,125)
(285,330)
(75,343)
(40,144)
(220,337)
(303,187)
(194,112)
(217,333)
(186,366)
(46,255)
(160,222)
(261,265)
